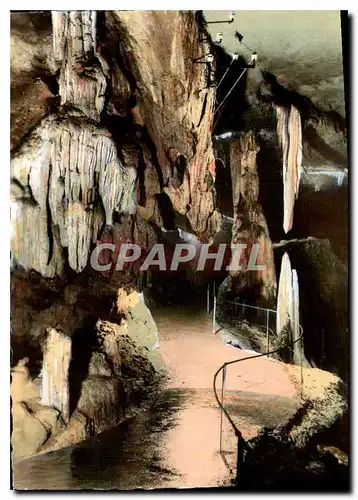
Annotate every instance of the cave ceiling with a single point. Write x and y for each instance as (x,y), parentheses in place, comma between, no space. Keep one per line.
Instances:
(303,49)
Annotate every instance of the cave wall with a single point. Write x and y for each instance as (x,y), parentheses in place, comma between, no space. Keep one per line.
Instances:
(250,225)
(97,155)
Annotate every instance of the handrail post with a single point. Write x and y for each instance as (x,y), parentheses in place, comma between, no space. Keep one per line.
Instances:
(301,342)
(240,457)
(214,315)
(222,406)
(208,300)
(267,331)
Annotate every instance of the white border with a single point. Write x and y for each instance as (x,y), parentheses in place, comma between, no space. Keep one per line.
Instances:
(4,184)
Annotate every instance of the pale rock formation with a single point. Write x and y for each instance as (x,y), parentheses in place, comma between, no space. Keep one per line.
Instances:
(55,372)
(69,170)
(69,177)
(74,43)
(32,423)
(289,131)
(288,312)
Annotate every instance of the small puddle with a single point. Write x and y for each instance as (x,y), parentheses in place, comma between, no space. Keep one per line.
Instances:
(125,457)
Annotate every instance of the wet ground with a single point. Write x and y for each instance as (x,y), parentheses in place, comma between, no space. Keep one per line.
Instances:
(175,443)
(170,445)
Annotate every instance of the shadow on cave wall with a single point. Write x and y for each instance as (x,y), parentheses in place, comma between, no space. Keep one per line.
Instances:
(323,214)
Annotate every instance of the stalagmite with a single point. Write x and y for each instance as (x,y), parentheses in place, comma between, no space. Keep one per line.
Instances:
(289,132)
(288,309)
(55,372)
(296,331)
(284,296)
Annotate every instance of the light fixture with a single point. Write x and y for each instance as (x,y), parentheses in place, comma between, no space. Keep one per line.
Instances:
(231,19)
(207,58)
(253,57)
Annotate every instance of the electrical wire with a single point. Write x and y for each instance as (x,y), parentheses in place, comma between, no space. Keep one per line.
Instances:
(248,48)
(222,78)
(232,88)
(227,95)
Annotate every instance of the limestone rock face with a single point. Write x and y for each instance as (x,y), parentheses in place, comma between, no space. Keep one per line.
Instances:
(250,225)
(80,394)
(88,161)
(74,45)
(174,103)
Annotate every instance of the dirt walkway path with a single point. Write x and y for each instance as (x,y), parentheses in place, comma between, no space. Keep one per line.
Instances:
(193,354)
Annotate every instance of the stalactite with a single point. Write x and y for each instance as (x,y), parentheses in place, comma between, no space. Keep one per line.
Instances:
(67,178)
(55,373)
(72,171)
(289,132)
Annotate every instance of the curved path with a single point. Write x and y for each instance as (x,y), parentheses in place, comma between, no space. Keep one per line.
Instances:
(174,444)
(259,392)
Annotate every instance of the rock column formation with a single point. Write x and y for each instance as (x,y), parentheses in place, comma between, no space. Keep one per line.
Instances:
(288,311)
(250,225)
(55,372)
(289,131)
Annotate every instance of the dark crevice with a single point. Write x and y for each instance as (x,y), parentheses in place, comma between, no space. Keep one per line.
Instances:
(181,166)
(223,188)
(203,109)
(84,341)
(141,178)
(49,218)
(166,211)
(271,187)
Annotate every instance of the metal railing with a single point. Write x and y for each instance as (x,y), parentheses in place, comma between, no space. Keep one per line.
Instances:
(242,445)
(262,319)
